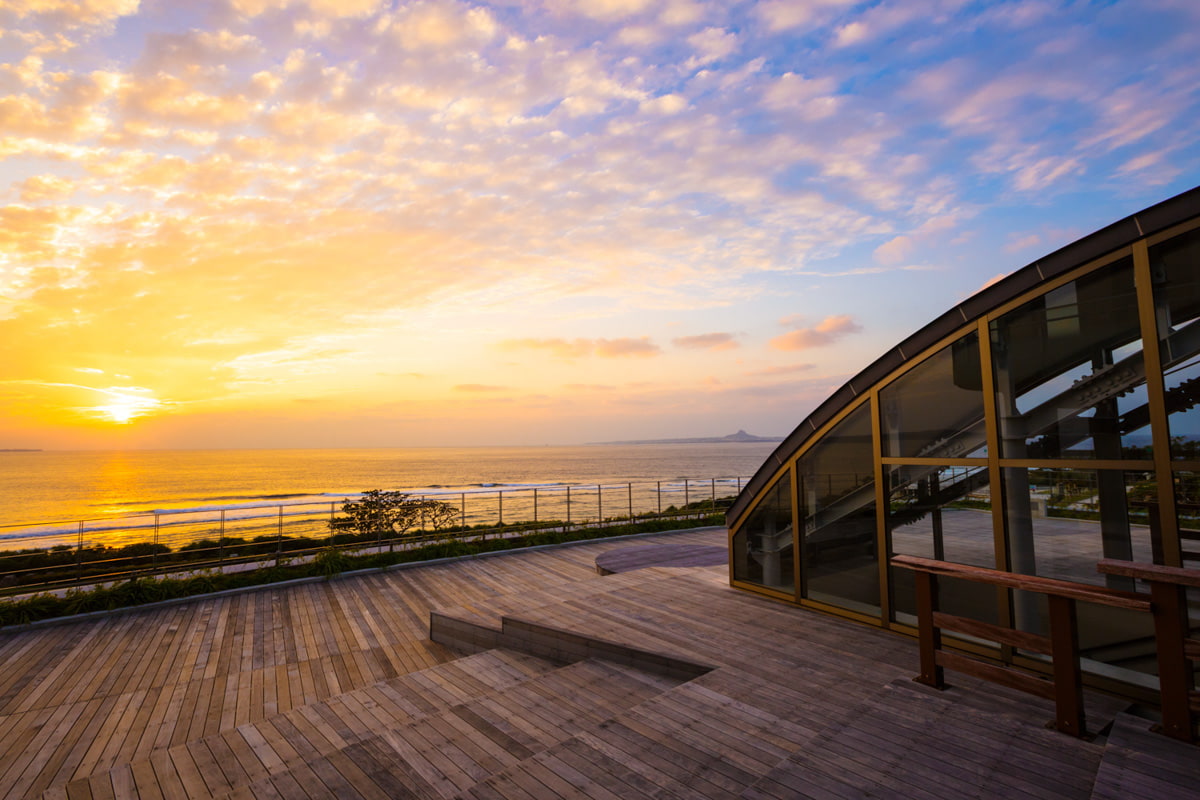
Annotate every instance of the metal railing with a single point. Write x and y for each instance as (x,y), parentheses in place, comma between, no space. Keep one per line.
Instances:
(37,557)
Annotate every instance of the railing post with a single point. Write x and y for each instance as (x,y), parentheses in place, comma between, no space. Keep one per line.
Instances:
(500,505)
(631,502)
(599,504)
(221,540)
(1174,679)
(463,511)
(79,554)
(279,539)
(658,492)
(686,497)
(535,518)
(1068,680)
(714,495)
(929,637)
(154,549)
(568,504)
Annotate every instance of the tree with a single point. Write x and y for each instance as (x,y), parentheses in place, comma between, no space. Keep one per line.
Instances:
(378,512)
(437,514)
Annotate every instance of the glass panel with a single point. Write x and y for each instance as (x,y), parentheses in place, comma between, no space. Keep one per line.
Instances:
(1070,379)
(1187,508)
(942,513)
(837,499)
(1175,271)
(935,410)
(763,550)
(1060,522)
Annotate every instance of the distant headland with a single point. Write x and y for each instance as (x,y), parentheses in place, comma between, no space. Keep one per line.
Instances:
(19,450)
(739,437)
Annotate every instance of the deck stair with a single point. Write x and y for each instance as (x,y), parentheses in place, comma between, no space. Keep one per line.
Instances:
(431,733)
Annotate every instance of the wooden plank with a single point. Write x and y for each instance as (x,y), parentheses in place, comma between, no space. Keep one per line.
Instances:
(1182,576)
(169,782)
(263,749)
(32,770)
(380,764)
(994,633)
(627,780)
(145,781)
(344,778)
(1005,676)
(188,772)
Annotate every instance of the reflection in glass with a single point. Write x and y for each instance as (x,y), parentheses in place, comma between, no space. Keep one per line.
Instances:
(942,513)
(837,501)
(1187,508)
(1175,271)
(763,550)
(1060,522)
(936,409)
(1070,377)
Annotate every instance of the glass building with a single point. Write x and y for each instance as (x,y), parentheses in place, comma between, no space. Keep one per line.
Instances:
(1045,423)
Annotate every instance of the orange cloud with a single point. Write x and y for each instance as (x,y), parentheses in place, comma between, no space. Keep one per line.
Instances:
(618,348)
(785,370)
(826,332)
(479,387)
(578,348)
(45,187)
(85,13)
(707,341)
(167,98)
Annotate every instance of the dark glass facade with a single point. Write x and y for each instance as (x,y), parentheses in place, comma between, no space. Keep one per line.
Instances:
(1047,423)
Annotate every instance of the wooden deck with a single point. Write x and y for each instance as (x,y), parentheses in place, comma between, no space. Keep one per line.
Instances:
(335,689)
(668,554)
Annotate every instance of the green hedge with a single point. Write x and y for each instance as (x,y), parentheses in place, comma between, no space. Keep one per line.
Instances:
(328,563)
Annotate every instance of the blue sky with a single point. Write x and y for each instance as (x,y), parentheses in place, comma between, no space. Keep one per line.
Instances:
(309,222)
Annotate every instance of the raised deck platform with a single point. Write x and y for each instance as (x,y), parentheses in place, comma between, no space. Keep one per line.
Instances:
(662,682)
(665,554)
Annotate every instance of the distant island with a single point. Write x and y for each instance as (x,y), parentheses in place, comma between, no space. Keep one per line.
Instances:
(739,437)
(18,450)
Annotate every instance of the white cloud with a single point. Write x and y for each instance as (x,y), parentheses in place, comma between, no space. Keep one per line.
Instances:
(325,8)
(605,10)
(712,44)
(81,12)
(790,15)
(665,104)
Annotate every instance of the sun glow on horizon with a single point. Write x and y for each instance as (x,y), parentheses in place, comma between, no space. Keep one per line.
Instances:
(244,223)
(122,409)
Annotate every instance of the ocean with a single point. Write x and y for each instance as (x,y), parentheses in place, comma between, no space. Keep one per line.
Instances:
(102,488)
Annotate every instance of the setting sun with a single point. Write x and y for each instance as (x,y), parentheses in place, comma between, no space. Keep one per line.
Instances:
(124,408)
(460,222)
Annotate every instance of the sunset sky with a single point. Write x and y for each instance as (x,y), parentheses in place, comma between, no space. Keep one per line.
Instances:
(309,223)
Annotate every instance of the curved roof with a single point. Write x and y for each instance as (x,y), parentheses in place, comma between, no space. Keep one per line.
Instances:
(1120,234)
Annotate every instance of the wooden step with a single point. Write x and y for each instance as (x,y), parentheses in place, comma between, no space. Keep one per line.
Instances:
(226,759)
(444,754)
(1139,762)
